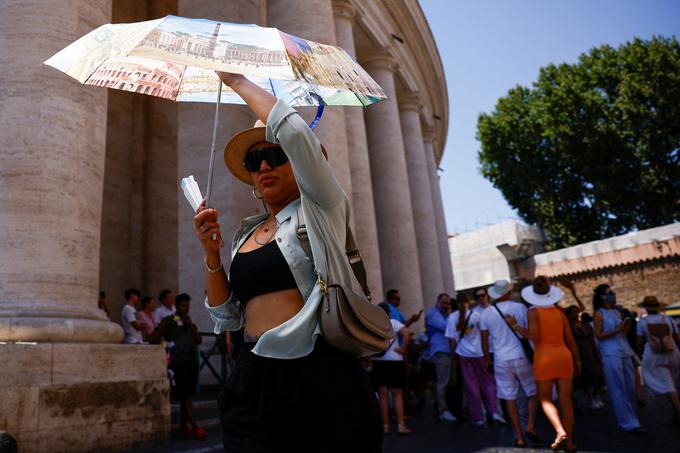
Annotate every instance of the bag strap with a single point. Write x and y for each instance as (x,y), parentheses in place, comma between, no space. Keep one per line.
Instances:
(356,262)
(500,313)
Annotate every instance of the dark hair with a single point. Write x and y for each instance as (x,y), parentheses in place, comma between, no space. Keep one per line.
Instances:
(102,294)
(385,307)
(130,291)
(146,300)
(600,290)
(390,293)
(439,297)
(7,443)
(585,317)
(184,297)
(163,294)
(461,299)
(568,311)
(474,293)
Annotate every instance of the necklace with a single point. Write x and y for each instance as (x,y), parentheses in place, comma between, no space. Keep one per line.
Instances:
(265,227)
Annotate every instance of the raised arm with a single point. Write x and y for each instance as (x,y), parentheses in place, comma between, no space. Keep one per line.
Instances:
(286,127)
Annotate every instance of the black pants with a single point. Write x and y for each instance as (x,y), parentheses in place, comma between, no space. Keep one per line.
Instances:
(323,402)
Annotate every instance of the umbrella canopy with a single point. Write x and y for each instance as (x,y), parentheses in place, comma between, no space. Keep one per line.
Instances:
(176,58)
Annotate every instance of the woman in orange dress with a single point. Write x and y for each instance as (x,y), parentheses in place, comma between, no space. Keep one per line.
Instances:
(556,358)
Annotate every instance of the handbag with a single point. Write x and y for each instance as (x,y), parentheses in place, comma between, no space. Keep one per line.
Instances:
(526,346)
(349,321)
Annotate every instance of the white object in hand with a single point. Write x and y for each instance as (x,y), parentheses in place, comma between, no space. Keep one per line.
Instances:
(192,192)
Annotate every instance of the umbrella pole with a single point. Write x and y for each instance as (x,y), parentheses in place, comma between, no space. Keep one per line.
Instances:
(208,191)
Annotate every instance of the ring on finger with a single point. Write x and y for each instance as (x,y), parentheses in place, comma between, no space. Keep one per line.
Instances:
(202,228)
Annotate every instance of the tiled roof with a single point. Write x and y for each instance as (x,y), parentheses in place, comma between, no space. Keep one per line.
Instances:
(638,246)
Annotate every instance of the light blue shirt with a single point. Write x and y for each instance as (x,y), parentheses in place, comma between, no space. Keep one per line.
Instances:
(396,314)
(616,345)
(326,215)
(435,325)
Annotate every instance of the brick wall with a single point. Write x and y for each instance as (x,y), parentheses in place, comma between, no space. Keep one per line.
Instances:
(631,282)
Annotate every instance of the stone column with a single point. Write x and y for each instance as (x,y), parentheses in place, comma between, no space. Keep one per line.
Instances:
(365,228)
(313,20)
(64,389)
(442,234)
(232,198)
(393,209)
(421,198)
(51,173)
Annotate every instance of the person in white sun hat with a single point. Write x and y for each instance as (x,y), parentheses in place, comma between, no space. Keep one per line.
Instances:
(512,367)
(556,358)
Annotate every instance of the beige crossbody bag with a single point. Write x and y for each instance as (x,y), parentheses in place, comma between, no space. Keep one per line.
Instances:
(349,321)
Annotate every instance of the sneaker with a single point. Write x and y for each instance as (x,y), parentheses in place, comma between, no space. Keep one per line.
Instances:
(479,424)
(447,416)
(600,404)
(498,418)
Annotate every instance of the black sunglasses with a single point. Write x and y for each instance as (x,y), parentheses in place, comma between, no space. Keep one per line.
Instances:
(274,157)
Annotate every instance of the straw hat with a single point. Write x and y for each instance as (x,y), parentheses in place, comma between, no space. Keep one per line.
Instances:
(651,302)
(542,293)
(239,145)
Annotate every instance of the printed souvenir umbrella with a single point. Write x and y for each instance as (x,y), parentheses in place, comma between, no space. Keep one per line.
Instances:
(176,58)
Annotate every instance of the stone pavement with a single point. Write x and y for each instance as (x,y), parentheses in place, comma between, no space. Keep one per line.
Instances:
(595,432)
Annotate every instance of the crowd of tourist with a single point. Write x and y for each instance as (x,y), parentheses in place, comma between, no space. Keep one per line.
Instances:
(481,358)
(520,346)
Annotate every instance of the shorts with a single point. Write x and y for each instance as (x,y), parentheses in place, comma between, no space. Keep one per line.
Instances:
(510,374)
(388,373)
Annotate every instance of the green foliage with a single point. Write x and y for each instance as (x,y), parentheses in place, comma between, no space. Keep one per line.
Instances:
(592,150)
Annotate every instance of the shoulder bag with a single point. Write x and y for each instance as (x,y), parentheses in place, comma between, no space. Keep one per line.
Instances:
(526,346)
(349,321)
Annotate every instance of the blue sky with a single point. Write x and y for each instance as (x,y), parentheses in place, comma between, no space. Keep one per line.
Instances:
(489,46)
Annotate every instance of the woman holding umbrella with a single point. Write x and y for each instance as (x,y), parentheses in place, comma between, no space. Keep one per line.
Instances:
(289,390)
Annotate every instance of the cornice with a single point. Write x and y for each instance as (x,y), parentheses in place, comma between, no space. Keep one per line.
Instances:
(401,27)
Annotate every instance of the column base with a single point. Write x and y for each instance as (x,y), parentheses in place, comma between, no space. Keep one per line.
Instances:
(53,329)
(81,397)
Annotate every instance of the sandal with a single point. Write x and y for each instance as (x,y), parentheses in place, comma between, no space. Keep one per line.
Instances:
(559,443)
(571,449)
(403,430)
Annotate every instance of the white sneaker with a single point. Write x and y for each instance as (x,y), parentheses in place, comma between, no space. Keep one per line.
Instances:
(447,416)
(479,424)
(498,418)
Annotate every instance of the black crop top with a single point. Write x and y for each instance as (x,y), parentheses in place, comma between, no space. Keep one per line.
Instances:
(260,271)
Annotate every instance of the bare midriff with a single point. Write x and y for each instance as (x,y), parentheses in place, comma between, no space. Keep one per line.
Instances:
(266,311)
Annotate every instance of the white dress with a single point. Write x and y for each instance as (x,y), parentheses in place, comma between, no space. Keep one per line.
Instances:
(660,370)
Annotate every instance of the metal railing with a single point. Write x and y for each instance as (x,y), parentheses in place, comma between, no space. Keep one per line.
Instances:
(219,347)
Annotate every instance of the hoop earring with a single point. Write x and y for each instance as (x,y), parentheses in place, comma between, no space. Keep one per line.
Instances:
(256,195)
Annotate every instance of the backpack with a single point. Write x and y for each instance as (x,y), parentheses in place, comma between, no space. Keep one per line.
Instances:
(660,337)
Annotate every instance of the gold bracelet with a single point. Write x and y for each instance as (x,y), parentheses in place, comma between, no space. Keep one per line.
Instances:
(212,271)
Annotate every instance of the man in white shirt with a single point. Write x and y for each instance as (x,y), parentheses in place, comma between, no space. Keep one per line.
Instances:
(511,366)
(131,326)
(167,307)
